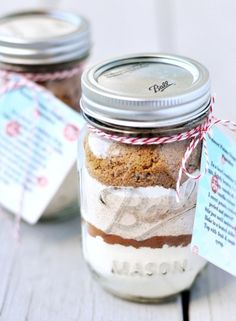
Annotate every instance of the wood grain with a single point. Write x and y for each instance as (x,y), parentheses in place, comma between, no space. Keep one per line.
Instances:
(45,279)
(213,296)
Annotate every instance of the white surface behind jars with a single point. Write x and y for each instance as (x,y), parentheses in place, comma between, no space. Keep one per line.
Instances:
(199,29)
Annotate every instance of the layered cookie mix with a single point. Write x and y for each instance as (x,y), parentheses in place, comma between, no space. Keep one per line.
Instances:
(131,217)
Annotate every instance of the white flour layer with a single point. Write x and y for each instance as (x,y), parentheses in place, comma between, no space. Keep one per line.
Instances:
(138,213)
(142,272)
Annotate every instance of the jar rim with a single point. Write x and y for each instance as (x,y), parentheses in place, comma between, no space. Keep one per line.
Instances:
(67,39)
(145,132)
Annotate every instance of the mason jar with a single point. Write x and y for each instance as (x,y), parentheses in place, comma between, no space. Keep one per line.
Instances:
(49,47)
(135,234)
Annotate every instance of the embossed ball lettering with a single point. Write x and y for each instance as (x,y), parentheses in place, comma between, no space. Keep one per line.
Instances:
(142,210)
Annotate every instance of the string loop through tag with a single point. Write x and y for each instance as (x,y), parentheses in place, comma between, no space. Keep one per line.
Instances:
(12,81)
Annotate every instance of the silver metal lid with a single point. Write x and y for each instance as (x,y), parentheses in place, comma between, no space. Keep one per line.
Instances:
(146,91)
(43,37)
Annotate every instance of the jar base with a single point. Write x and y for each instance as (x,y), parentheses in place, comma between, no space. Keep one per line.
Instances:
(142,299)
(126,270)
(131,298)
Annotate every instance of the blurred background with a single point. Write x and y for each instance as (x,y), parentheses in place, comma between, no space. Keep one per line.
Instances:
(203,30)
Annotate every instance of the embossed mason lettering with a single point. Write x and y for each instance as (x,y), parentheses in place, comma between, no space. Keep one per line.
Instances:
(148,269)
(121,268)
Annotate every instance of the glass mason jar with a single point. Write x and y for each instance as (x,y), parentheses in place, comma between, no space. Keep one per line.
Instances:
(136,236)
(50,48)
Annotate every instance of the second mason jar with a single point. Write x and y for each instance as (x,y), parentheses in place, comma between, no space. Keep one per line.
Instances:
(49,47)
(136,236)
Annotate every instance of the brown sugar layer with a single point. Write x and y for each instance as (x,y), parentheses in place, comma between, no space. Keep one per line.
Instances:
(141,166)
(153,242)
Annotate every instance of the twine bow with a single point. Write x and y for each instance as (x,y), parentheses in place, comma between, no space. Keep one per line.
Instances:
(197,135)
(200,136)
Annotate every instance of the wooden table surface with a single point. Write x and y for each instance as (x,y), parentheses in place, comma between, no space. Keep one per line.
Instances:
(43,278)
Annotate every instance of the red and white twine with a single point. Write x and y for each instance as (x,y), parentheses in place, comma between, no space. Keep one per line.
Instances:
(57,75)
(197,135)
(46,76)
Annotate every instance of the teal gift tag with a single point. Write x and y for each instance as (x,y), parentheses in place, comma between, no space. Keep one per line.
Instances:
(38,140)
(214,231)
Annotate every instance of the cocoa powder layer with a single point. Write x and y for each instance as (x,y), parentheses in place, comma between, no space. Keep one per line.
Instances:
(141,166)
(153,242)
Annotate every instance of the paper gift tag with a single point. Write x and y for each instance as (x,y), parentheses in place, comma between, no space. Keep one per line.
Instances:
(214,232)
(38,144)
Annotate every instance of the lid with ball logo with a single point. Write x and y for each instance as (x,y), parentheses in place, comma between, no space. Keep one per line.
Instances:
(146,91)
